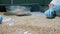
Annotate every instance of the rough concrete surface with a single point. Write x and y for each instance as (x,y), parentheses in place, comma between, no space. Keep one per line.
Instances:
(37,23)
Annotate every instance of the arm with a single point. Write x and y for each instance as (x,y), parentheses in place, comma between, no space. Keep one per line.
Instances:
(51,5)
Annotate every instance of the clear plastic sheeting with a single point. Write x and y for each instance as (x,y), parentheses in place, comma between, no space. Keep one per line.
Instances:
(6,19)
(18,10)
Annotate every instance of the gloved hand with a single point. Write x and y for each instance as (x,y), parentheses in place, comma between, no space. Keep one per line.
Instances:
(50,12)
(1,19)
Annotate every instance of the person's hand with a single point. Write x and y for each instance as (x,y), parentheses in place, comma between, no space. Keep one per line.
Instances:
(51,5)
(49,13)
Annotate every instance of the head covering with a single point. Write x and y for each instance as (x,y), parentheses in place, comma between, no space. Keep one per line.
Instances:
(54,1)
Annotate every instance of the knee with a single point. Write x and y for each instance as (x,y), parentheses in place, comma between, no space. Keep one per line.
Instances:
(56,7)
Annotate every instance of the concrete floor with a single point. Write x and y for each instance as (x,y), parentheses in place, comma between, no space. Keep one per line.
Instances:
(37,23)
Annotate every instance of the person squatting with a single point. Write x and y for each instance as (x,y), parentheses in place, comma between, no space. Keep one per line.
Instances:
(54,6)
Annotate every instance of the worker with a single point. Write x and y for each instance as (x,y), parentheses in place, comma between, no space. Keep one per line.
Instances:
(54,6)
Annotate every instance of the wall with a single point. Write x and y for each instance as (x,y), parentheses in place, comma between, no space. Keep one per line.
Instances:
(19,2)
(36,4)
